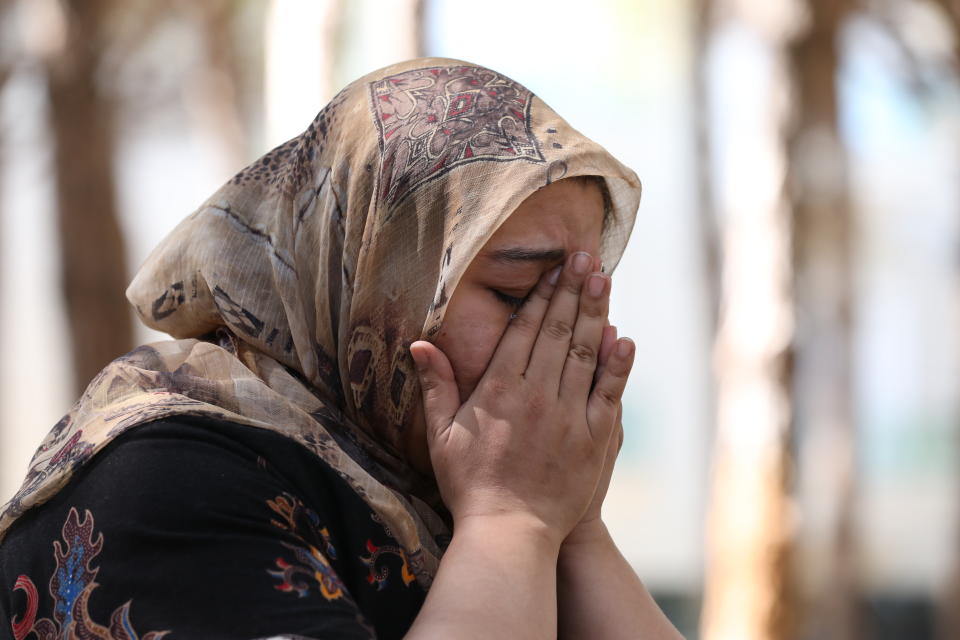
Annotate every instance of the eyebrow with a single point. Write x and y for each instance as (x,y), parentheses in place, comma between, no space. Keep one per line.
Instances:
(524,254)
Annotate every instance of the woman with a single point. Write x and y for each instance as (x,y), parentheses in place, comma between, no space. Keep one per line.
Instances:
(276,470)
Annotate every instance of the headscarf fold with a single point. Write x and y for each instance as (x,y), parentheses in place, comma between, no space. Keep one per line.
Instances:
(294,291)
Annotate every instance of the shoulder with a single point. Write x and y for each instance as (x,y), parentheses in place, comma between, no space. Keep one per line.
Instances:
(212,527)
(190,476)
(199,460)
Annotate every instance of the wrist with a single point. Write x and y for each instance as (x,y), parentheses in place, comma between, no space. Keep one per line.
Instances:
(519,528)
(588,533)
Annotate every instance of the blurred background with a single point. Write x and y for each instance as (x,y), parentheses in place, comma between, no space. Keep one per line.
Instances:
(790,468)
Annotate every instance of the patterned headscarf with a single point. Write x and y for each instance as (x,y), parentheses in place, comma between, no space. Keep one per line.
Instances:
(295,290)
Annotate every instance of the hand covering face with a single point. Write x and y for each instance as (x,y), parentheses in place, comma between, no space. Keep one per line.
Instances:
(294,291)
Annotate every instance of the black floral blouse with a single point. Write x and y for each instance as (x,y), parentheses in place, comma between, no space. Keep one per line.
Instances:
(221,531)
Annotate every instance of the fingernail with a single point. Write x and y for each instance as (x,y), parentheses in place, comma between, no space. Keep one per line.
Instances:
(596,285)
(581,262)
(554,275)
(625,347)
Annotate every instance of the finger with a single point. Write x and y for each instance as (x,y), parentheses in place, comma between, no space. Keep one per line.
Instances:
(583,355)
(607,343)
(606,348)
(619,435)
(610,460)
(602,357)
(441,398)
(613,447)
(553,340)
(513,352)
(604,402)
(615,442)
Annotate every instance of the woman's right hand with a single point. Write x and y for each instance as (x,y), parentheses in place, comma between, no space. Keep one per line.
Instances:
(531,439)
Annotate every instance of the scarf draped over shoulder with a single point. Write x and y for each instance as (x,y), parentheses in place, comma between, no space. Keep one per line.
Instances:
(294,291)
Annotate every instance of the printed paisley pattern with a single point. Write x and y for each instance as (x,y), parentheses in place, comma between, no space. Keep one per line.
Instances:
(71,586)
(433,119)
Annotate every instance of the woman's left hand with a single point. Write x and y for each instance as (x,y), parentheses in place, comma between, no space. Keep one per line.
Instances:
(591,516)
(616,441)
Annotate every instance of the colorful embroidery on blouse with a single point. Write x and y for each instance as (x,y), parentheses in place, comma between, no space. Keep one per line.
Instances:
(71,586)
(381,575)
(309,562)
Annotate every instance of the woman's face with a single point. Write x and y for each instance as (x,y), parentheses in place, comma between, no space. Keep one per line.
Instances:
(556,221)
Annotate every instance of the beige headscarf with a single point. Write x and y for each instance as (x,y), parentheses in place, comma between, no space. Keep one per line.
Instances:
(319,264)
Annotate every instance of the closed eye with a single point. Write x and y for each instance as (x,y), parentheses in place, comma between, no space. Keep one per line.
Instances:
(511,301)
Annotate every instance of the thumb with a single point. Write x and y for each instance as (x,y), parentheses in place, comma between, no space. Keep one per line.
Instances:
(441,398)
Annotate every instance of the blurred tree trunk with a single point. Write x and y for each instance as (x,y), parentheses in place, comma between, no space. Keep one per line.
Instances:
(702,14)
(213,91)
(748,593)
(822,263)
(951,11)
(418,27)
(93,268)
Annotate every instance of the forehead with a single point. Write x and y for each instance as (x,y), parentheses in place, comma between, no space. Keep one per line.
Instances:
(567,214)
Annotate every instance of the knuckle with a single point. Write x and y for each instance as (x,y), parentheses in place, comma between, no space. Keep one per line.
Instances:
(617,368)
(428,384)
(536,402)
(496,386)
(592,309)
(557,329)
(582,353)
(571,287)
(607,396)
(621,369)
